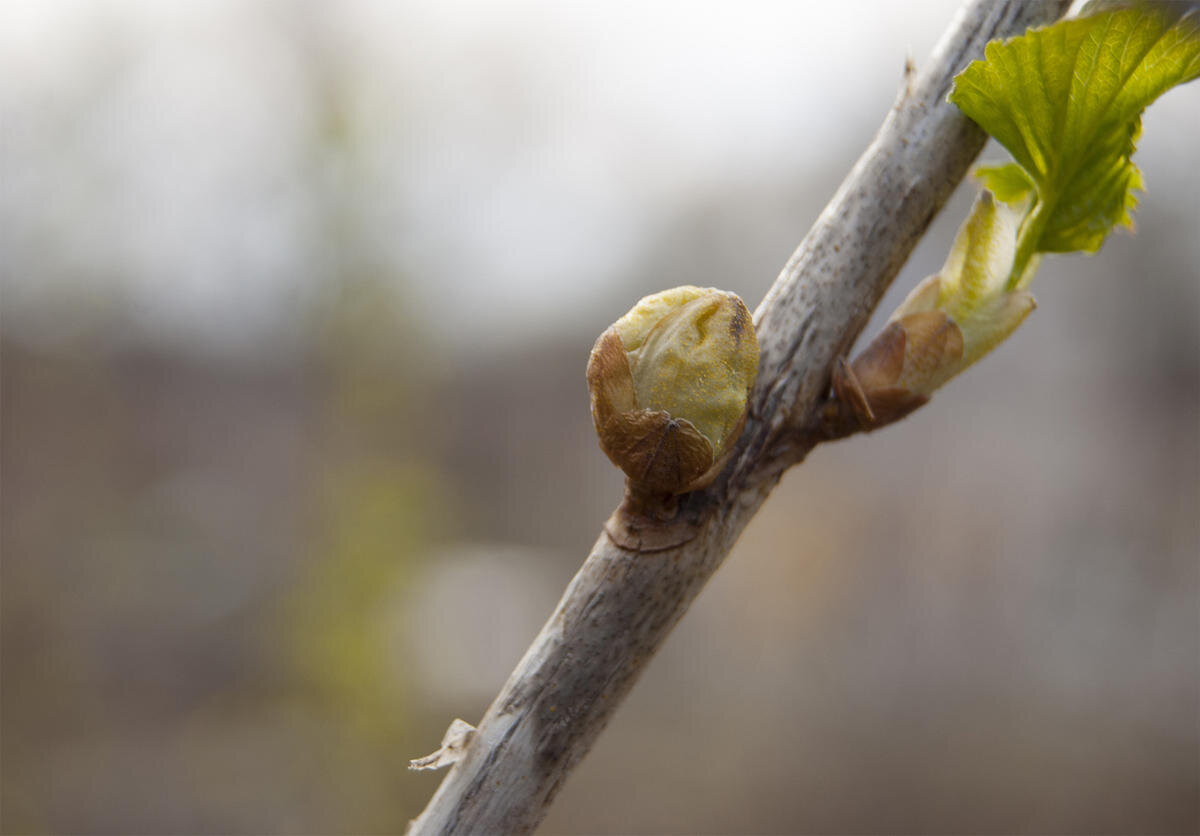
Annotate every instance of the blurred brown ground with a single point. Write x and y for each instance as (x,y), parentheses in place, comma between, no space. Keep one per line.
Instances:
(246,578)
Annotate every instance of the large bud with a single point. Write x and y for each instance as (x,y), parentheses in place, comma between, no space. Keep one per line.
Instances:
(669,384)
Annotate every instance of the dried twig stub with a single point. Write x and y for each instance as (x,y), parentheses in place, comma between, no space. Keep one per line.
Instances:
(454,745)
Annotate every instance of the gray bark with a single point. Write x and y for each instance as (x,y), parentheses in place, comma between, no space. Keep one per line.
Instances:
(622,604)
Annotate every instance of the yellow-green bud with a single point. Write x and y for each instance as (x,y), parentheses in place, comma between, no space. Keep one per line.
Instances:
(949,321)
(970,291)
(669,383)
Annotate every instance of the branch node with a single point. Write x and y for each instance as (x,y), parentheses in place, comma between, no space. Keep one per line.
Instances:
(653,522)
(908,81)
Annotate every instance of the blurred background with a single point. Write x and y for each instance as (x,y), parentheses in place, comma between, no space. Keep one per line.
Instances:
(296,302)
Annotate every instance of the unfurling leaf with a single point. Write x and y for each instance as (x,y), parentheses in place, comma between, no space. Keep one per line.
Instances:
(948,322)
(1066,101)
(1007,182)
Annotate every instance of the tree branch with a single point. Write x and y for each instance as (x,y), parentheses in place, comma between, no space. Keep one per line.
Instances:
(622,603)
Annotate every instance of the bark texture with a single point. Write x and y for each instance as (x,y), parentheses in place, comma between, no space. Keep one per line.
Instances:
(622,603)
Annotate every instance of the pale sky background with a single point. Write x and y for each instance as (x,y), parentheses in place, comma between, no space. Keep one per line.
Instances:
(514,157)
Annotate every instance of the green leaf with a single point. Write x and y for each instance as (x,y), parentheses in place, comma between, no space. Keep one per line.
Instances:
(1066,101)
(1007,182)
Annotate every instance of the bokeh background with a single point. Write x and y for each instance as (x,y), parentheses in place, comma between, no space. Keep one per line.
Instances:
(297,456)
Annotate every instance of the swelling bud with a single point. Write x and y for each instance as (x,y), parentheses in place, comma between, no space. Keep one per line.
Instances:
(669,385)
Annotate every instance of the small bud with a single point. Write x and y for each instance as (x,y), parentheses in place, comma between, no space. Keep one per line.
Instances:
(949,321)
(669,383)
(970,291)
